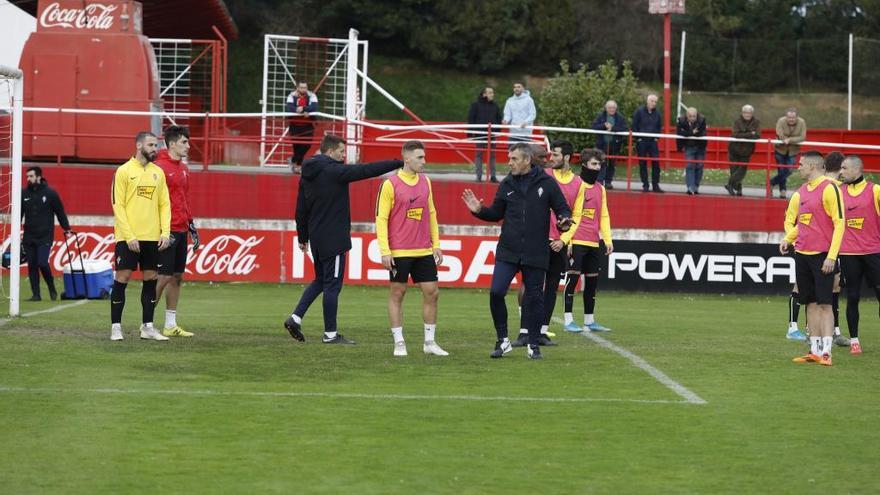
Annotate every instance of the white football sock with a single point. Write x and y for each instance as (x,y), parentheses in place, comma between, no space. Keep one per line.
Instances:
(296,318)
(836,331)
(170,318)
(545,329)
(430,328)
(589,320)
(854,340)
(827,343)
(792,325)
(330,335)
(523,331)
(397,332)
(568,318)
(118,326)
(815,345)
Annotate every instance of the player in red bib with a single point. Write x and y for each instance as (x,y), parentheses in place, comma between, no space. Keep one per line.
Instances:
(592,224)
(816,238)
(409,242)
(860,248)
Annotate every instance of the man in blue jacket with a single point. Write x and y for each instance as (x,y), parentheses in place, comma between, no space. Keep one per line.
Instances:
(611,121)
(301,101)
(523,200)
(323,217)
(649,120)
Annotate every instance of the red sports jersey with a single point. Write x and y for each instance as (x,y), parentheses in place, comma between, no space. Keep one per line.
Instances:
(177,178)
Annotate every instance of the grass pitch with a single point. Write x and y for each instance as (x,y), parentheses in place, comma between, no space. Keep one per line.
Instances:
(242,408)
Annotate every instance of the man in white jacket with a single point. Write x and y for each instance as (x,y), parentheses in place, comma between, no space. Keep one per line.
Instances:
(519,110)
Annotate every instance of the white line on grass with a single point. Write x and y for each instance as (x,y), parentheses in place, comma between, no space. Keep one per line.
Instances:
(54,309)
(329,395)
(645,366)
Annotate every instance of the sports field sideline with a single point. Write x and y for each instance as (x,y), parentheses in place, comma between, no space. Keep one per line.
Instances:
(688,394)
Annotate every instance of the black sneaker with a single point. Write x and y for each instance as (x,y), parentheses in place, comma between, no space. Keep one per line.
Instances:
(545,340)
(730,190)
(535,352)
(493,180)
(294,329)
(53,295)
(645,188)
(521,341)
(657,189)
(339,339)
(502,347)
(609,185)
(35,298)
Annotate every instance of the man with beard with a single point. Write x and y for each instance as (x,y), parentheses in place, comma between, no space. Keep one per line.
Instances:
(592,223)
(523,200)
(40,204)
(142,228)
(560,169)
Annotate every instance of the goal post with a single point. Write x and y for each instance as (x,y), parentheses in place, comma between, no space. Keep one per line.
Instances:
(13,79)
(331,67)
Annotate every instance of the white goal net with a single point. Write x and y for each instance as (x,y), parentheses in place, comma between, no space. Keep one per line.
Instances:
(11,90)
(330,66)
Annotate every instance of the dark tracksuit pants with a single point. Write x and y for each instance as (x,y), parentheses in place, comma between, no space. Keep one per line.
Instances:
(38,262)
(533,299)
(329,273)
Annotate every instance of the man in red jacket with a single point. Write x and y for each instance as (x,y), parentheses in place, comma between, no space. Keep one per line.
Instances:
(172,261)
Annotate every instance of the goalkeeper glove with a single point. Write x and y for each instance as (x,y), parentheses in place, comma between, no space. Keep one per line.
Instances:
(194,234)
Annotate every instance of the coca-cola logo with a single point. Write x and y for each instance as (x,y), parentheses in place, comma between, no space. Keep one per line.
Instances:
(226,255)
(91,16)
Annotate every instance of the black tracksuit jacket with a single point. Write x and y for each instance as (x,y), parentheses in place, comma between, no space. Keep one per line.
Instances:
(323,209)
(40,204)
(526,229)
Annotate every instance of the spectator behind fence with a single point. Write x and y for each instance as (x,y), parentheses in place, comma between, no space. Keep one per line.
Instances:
(791,130)
(690,126)
(485,111)
(519,110)
(301,128)
(649,120)
(609,120)
(746,126)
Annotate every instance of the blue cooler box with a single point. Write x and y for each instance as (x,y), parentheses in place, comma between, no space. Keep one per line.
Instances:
(98,280)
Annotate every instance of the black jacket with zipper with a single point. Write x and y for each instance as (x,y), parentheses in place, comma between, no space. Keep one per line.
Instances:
(525,232)
(323,209)
(40,204)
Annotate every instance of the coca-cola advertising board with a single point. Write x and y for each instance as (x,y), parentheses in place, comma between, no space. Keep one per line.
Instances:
(102,16)
(241,255)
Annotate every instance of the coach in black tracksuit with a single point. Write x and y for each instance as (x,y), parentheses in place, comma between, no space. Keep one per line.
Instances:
(523,200)
(323,217)
(40,204)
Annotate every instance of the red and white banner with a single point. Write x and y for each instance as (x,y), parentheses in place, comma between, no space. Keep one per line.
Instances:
(274,256)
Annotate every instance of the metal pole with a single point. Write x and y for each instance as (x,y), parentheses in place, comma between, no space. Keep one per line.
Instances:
(351,103)
(680,73)
(15,248)
(849,86)
(265,100)
(667,69)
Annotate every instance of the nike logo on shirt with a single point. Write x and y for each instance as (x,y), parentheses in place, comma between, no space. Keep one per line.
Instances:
(511,192)
(851,208)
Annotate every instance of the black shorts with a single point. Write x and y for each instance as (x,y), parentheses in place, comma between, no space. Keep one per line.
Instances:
(585,259)
(813,285)
(147,258)
(173,258)
(419,268)
(558,261)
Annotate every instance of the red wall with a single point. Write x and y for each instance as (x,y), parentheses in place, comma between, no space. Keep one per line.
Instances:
(86,191)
